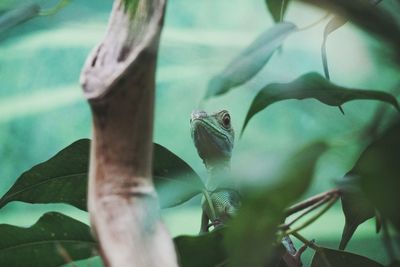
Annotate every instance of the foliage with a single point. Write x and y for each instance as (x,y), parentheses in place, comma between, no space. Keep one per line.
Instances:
(250,61)
(51,241)
(312,85)
(252,238)
(23,13)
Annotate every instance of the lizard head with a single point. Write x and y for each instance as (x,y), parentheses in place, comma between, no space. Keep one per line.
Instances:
(212,135)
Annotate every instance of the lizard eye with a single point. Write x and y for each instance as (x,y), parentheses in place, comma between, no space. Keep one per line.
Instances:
(226,120)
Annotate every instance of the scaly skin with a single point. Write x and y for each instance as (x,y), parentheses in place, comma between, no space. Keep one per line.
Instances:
(213,138)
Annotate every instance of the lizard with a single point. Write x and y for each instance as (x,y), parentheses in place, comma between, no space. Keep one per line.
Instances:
(213,137)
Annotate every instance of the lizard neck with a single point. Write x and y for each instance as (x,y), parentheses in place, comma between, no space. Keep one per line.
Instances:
(218,175)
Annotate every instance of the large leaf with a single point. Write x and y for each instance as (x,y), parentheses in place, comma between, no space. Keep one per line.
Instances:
(208,250)
(334,23)
(18,15)
(23,13)
(175,181)
(201,251)
(373,19)
(356,207)
(263,210)
(337,258)
(277,8)
(379,171)
(63,178)
(49,242)
(312,85)
(251,60)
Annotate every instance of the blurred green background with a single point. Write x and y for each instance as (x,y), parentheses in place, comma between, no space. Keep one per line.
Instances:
(42,108)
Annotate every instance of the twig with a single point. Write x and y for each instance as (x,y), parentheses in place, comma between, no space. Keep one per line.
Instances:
(310,244)
(315,206)
(315,217)
(310,202)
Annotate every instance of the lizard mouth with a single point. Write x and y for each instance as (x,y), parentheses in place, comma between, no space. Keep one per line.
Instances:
(211,143)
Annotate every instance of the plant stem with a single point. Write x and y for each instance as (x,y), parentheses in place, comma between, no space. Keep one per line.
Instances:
(315,217)
(210,204)
(310,202)
(312,245)
(315,206)
(305,241)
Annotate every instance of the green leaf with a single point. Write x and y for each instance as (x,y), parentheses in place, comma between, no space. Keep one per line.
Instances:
(395,263)
(63,178)
(333,24)
(263,210)
(45,243)
(201,251)
(336,258)
(18,15)
(373,19)
(208,250)
(251,60)
(176,182)
(379,171)
(276,9)
(312,85)
(356,207)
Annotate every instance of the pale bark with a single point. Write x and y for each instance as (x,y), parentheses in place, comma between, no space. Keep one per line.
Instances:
(118,81)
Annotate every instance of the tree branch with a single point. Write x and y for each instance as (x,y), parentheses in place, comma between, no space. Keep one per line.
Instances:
(119,82)
(310,202)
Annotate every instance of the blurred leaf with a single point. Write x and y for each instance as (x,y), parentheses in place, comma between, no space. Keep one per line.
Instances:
(53,10)
(22,13)
(176,182)
(379,171)
(395,263)
(251,60)
(18,15)
(335,23)
(44,243)
(263,210)
(208,250)
(373,19)
(201,251)
(338,258)
(63,178)
(312,85)
(356,208)
(276,9)
(95,261)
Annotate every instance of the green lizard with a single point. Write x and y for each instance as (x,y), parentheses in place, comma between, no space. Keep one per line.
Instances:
(213,137)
